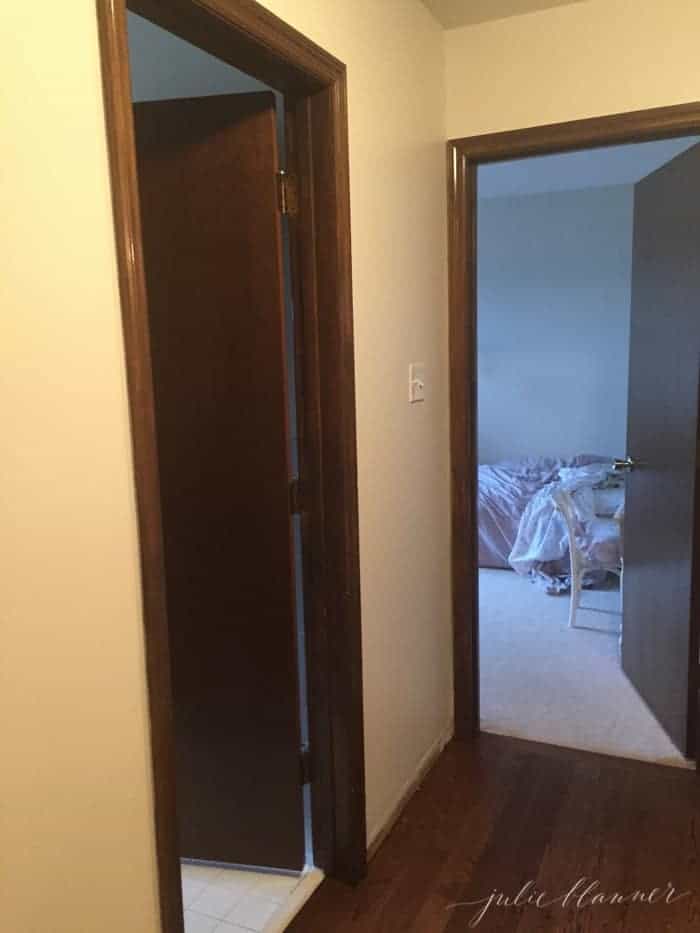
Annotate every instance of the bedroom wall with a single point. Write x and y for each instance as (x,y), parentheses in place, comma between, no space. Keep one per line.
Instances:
(554,279)
(77,821)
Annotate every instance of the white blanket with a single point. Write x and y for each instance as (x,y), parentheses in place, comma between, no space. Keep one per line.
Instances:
(541,547)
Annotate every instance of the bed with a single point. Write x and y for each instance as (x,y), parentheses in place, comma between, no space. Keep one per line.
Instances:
(507,491)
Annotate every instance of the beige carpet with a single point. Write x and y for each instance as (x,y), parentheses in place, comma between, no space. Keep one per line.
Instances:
(542,681)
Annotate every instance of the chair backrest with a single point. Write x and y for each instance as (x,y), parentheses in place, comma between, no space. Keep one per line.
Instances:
(584,552)
(564,502)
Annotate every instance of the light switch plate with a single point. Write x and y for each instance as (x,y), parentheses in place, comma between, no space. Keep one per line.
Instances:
(416,382)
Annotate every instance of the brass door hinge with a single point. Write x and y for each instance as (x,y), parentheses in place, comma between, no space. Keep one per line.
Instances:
(287,194)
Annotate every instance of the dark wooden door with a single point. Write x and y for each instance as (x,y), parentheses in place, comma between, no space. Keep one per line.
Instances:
(662,437)
(211,232)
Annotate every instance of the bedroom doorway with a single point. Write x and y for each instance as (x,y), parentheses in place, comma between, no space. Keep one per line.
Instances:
(579,580)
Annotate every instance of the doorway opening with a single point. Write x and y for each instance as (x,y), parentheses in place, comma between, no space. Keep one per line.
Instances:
(228,151)
(238,866)
(574,590)
(554,292)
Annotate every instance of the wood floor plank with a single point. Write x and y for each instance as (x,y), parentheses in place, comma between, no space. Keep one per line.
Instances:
(496,814)
(518,842)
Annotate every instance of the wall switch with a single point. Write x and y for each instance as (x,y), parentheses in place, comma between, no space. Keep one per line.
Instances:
(416,382)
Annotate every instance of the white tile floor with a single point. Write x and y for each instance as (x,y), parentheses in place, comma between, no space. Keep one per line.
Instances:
(226,900)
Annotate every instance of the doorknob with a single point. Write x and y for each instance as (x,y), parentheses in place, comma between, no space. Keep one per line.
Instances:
(627,464)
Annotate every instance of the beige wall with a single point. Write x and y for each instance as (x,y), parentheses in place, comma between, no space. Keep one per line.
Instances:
(582,60)
(393,50)
(76,820)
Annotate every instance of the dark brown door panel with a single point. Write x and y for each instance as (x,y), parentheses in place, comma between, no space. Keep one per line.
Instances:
(662,439)
(212,246)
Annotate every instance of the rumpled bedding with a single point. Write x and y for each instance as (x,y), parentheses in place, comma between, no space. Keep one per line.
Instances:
(519,525)
(541,547)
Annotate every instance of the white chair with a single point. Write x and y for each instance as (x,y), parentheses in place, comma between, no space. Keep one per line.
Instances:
(605,553)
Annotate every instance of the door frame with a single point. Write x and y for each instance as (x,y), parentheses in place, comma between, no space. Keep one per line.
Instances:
(464,155)
(251,38)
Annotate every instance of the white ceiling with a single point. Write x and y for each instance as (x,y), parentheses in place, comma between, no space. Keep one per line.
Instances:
(591,168)
(453,13)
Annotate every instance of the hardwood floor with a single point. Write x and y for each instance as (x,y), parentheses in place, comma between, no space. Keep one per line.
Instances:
(499,813)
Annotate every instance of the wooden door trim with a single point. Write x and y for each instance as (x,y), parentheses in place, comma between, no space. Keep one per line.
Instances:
(250,37)
(464,155)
